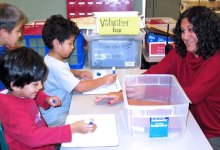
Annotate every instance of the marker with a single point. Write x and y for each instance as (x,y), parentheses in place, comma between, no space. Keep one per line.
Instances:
(98,74)
(54,101)
(113,70)
(89,121)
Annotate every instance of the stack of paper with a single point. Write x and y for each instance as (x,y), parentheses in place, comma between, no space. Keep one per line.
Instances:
(104,135)
(114,87)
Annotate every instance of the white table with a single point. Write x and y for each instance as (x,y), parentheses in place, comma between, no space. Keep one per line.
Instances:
(193,139)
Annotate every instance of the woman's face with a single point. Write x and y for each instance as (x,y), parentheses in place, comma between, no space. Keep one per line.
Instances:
(188,36)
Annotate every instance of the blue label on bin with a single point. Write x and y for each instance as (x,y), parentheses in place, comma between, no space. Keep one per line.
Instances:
(159,127)
(157,38)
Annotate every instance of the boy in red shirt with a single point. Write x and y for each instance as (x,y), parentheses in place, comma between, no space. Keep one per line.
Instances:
(22,72)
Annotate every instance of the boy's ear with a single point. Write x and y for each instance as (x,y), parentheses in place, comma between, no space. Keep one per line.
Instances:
(14,88)
(3,33)
(55,43)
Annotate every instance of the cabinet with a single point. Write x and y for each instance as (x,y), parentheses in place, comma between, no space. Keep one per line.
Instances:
(162,8)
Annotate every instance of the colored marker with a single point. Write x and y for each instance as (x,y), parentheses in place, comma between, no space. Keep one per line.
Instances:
(113,70)
(98,74)
(89,121)
(54,101)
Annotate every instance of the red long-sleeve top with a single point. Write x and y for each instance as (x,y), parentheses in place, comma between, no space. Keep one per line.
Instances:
(24,127)
(200,79)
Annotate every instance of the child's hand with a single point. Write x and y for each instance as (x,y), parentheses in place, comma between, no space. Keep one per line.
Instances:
(82,127)
(54,101)
(110,78)
(86,75)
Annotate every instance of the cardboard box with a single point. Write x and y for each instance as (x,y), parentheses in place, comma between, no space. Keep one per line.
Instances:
(155,44)
(159,24)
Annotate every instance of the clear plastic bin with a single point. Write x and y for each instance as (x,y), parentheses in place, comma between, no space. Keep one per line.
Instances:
(155,106)
(121,51)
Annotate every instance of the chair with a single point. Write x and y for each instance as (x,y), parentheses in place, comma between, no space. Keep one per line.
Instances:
(3,143)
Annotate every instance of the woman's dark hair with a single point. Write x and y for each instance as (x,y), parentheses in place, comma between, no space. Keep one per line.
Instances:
(206,25)
(60,28)
(22,66)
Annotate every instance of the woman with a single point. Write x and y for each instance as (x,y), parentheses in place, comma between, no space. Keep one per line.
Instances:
(195,62)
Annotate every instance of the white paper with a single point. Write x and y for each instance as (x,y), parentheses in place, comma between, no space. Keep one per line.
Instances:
(114,87)
(104,135)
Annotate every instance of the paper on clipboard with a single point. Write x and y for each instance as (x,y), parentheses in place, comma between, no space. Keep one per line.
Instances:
(104,135)
(114,87)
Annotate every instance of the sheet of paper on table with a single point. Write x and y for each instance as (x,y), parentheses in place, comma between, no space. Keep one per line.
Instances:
(114,87)
(104,135)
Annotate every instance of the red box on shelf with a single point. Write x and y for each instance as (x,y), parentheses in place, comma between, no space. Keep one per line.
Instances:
(83,8)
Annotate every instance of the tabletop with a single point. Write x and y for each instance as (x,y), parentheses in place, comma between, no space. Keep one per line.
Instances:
(193,138)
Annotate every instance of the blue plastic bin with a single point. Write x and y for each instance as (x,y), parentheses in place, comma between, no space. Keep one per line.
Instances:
(33,39)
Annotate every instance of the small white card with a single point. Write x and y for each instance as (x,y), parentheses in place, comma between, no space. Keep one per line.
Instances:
(104,135)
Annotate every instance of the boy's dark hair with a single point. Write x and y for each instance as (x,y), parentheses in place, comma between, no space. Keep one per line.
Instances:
(22,66)
(60,28)
(10,17)
(206,25)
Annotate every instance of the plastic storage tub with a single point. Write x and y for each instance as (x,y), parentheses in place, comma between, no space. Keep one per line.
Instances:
(121,51)
(33,37)
(160,108)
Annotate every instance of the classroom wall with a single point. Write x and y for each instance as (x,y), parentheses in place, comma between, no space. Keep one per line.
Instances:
(39,9)
(42,9)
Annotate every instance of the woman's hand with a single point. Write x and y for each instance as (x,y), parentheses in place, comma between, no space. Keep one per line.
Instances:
(112,98)
(135,92)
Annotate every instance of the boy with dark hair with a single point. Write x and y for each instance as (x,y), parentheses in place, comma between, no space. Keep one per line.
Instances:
(22,72)
(59,36)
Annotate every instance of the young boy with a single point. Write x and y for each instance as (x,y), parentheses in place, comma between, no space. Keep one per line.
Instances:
(59,36)
(11,21)
(22,72)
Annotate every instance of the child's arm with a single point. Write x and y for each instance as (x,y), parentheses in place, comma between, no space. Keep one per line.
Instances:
(46,101)
(86,75)
(41,100)
(87,85)
(30,134)
(26,125)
